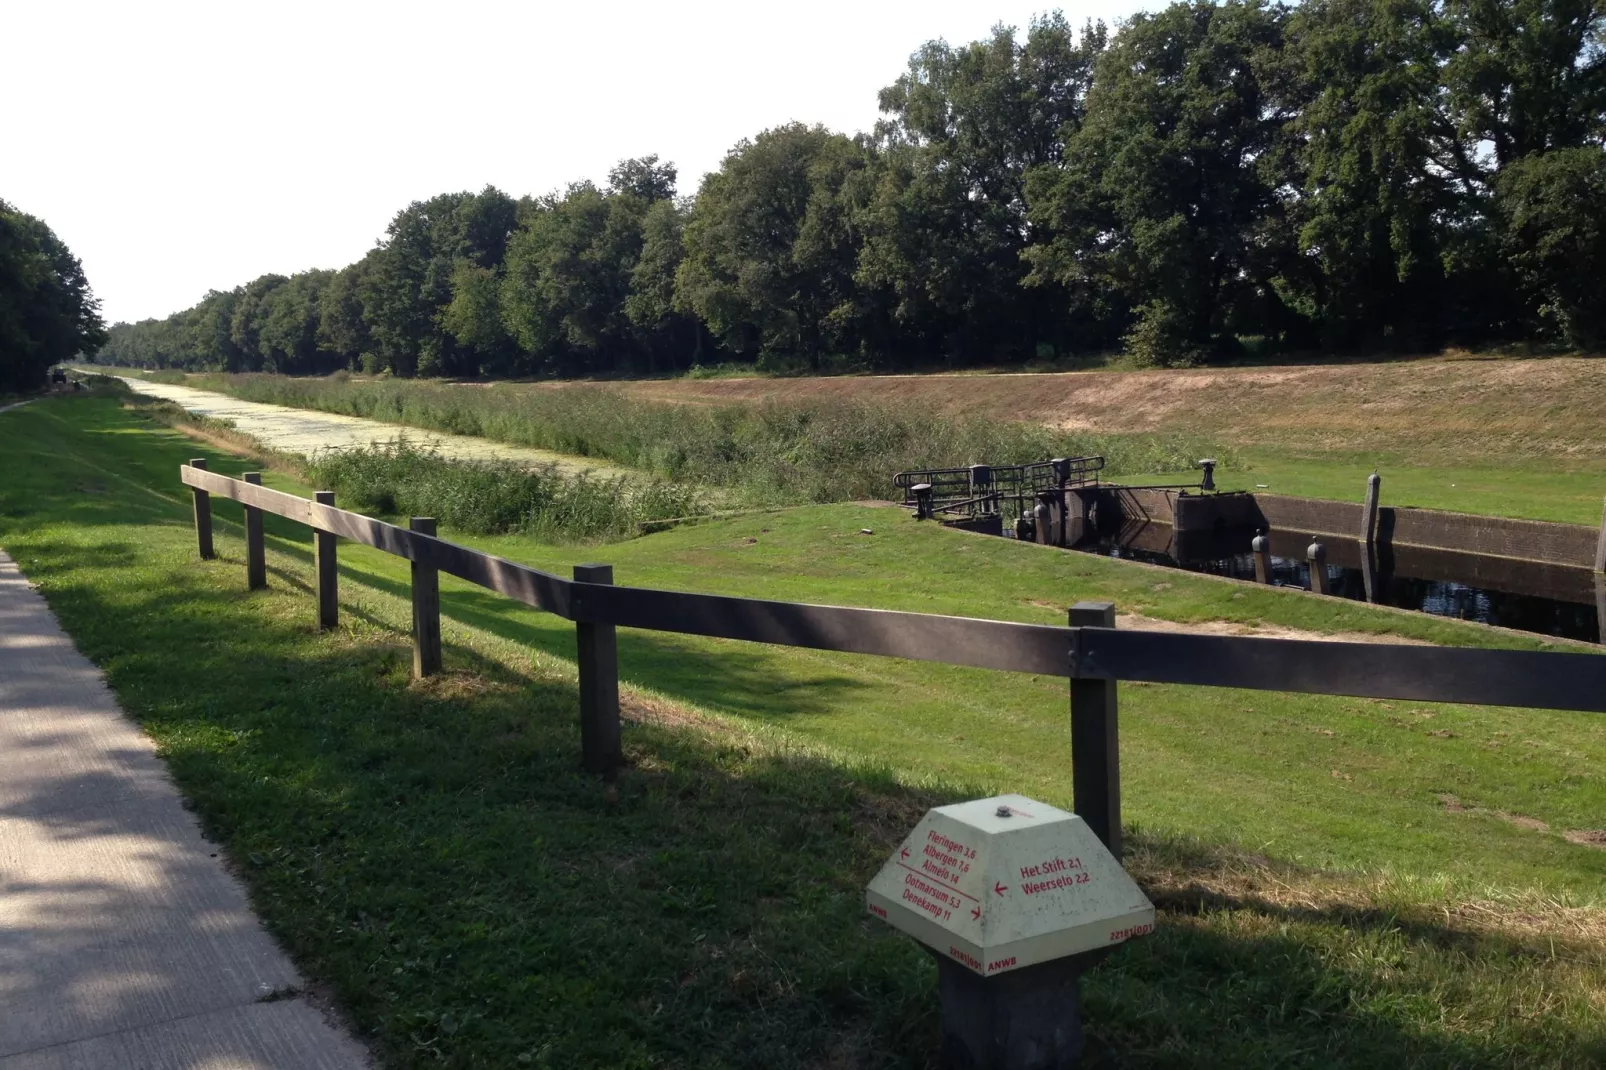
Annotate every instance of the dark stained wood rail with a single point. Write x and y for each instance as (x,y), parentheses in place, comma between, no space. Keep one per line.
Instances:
(1091,652)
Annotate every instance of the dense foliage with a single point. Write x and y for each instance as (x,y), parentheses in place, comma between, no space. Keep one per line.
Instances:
(47,312)
(1336,174)
(499,497)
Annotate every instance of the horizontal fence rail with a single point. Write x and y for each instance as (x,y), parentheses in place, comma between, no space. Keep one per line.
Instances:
(1546,680)
(520,582)
(983,644)
(1474,675)
(1091,652)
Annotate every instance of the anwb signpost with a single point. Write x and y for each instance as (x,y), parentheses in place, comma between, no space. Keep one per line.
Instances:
(1016,899)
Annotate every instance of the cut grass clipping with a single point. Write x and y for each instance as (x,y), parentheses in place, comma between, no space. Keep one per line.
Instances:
(430,853)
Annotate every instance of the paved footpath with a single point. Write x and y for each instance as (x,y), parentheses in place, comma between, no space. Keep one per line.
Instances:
(123,941)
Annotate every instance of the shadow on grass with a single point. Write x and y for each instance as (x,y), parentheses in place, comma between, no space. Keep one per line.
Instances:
(738,677)
(433,854)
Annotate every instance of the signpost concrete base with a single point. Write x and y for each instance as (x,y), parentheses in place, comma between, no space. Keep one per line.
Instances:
(1026,1019)
(1016,899)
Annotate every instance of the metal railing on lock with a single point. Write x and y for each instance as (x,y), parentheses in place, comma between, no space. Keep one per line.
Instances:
(1090,651)
(984,488)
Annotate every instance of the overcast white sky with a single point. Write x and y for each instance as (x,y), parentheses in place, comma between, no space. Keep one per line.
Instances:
(178,147)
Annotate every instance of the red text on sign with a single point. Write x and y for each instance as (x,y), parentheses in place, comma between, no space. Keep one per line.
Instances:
(1053,865)
(968,960)
(966,853)
(1124,934)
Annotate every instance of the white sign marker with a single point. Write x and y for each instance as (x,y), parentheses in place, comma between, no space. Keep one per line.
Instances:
(997,884)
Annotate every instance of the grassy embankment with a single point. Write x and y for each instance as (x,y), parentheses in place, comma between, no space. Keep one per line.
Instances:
(765,454)
(1503,437)
(428,852)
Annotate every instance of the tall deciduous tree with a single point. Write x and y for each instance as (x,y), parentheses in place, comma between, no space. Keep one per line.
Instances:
(48,313)
(289,334)
(342,321)
(770,247)
(250,316)
(568,273)
(1369,171)
(1164,195)
(1526,76)
(946,223)
(669,336)
(1349,174)
(1553,207)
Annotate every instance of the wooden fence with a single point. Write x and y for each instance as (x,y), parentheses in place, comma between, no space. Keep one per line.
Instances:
(1090,651)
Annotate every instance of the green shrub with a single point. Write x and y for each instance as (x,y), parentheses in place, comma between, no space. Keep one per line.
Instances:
(498,497)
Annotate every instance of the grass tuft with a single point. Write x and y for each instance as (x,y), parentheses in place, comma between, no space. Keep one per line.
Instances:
(500,497)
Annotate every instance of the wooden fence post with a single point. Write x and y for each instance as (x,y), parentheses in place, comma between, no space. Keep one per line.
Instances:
(256,560)
(598,660)
(426,609)
(323,556)
(1095,740)
(203,514)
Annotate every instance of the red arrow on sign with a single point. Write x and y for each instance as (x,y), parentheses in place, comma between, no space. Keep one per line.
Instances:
(975,912)
(905,852)
(1000,889)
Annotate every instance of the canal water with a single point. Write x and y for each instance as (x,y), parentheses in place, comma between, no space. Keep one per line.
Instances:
(1551,600)
(309,432)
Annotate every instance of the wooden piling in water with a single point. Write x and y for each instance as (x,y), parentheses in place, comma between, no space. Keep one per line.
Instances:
(1260,547)
(1600,546)
(1316,558)
(1369,510)
(1369,537)
(1600,606)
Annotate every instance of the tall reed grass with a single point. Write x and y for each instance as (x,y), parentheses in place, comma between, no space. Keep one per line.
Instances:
(768,454)
(499,497)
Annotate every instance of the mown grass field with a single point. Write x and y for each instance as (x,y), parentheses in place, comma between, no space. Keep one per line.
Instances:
(1342,882)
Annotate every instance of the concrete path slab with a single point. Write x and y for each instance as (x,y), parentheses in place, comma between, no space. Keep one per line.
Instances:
(123,941)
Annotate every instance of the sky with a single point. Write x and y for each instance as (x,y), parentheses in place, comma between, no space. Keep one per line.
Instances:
(181,147)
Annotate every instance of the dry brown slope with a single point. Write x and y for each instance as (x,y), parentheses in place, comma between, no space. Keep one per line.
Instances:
(1554,406)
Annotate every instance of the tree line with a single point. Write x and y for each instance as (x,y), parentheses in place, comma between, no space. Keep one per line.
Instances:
(1204,180)
(48,314)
